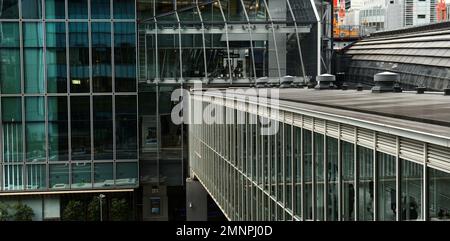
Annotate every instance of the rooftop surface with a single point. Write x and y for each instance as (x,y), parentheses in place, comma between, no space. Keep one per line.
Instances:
(425,113)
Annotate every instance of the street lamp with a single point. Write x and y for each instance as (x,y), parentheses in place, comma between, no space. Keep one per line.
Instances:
(101,196)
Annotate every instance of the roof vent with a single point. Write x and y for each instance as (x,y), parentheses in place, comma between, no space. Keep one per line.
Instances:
(262,82)
(344,86)
(325,81)
(447,91)
(384,82)
(421,89)
(286,81)
(359,87)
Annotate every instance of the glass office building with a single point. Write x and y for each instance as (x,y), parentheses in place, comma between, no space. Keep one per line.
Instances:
(68,95)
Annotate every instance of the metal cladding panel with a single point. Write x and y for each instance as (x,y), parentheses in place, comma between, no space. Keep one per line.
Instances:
(412,150)
(387,143)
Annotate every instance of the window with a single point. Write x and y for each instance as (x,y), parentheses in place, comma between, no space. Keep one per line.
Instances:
(348,181)
(35,129)
(9,9)
(10,59)
(100,9)
(103,128)
(103,175)
(36,177)
(31,9)
(53,9)
(307,159)
(366,184)
(79,57)
(126,122)
(439,202)
(58,147)
(56,58)
(386,187)
(80,127)
(12,129)
(101,57)
(332,165)
(126,173)
(125,57)
(81,175)
(124,9)
(78,9)
(59,176)
(421,16)
(412,190)
(33,58)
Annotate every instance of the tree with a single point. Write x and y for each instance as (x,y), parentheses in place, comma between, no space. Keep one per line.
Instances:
(23,212)
(119,209)
(4,212)
(93,209)
(74,211)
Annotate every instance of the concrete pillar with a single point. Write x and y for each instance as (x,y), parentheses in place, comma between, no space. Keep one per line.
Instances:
(196,201)
(278,10)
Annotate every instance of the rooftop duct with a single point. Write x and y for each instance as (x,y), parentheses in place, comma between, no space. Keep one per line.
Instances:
(286,81)
(325,81)
(384,82)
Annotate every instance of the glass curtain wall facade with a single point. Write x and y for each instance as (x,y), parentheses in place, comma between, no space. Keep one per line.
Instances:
(68,95)
(314,169)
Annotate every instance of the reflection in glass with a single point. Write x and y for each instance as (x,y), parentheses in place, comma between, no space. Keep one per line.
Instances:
(58,147)
(332,177)
(81,175)
(78,9)
(101,57)
(31,9)
(124,9)
(103,175)
(56,57)
(318,160)
(126,173)
(103,128)
(386,187)
(13,177)
(412,190)
(307,160)
(298,170)
(80,127)
(59,176)
(348,181)
(439,195)
(53,9)
(79,57)
(36,176)
(9,58)
(9,9)
(35,129)
(126,122)
(288,166)
(100,9)
(366,185)
(12,129)
(125,57)
(33,58)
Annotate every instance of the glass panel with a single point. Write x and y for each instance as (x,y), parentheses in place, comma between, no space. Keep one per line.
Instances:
(124,9)
(348,181)
(12,129)
(126,174)
(13,177)
(31,9)
(53,9)
(439,195)
(9,9)
(412,190)
(126,123)
(58,147)
(307,159)
(298,170)
(318,160)
(80,127)
(103,175)
(386,187)
(125,57)
(81,175)
(103,128)
(101,57)
(9,59)
(366,185)
(100,9)
(59,176)
(33,58)
(36,177)
(288,165)
(332,165)
(56,58)
(35,129)
(79,57)
(78,9)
